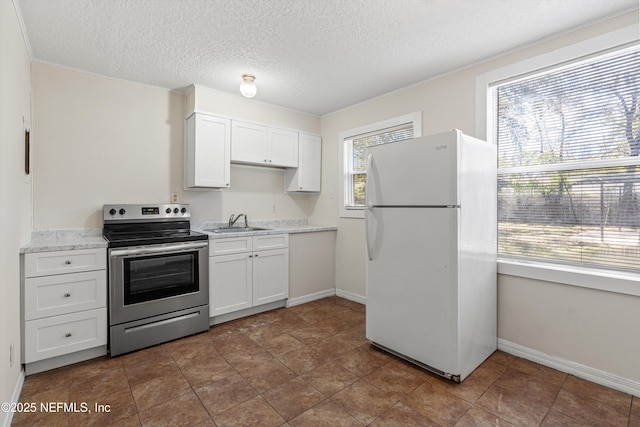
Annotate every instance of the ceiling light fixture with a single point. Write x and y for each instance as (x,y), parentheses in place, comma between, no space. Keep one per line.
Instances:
(248,86)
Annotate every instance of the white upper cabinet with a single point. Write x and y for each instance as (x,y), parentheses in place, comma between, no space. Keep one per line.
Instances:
(207,151)
(262,145)
(249,143)
(306,177)
(283,146)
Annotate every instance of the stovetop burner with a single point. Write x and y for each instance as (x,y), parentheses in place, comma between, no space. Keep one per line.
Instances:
(138,225)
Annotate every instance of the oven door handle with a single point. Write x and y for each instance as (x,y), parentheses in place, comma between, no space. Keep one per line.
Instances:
(154,250)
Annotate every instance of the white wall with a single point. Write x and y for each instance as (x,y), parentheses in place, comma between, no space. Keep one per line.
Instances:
(101,140)
(15,190)
(593,328)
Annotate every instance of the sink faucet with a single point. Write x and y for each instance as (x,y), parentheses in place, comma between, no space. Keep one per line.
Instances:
(233,219)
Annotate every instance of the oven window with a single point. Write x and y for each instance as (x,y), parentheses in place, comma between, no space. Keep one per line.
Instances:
(160,276)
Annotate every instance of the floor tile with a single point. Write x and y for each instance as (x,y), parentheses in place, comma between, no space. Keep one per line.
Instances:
(292,398)
(330,378)
(364,401)
(118,409)
(512,407)
(268,375)
(254,412)
(530,387)
(478,417)
(588,402)
(207,370)
(396,378)
(279,344)
(363,360)
(185,410)
(437,404)
(539,371)
(303,359)
(224,394)
(158,390)
(402,415)
(326,413)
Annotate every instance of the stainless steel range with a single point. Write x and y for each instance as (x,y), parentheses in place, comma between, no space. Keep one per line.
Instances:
(158,275)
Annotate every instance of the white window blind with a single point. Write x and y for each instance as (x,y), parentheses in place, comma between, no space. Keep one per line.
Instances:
(357,162)
(569,165)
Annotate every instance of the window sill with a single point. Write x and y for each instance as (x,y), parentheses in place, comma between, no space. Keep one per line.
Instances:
(603,280)
(351,212)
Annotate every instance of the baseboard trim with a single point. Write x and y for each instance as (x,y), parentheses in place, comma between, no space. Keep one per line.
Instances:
(351,296)
(588,373)
(291,302)
(15,398)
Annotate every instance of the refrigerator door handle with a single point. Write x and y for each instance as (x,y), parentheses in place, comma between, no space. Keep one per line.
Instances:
(367,225)
(370,186)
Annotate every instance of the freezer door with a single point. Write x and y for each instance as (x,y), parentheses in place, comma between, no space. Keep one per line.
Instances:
(411,283)
(414,172)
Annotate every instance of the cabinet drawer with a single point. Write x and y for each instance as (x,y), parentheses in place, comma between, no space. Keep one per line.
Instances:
(232,245)
(58,335)
(64,293)
(59,262)
(270,241)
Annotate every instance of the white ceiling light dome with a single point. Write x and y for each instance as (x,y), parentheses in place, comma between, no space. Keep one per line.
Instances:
(248,87)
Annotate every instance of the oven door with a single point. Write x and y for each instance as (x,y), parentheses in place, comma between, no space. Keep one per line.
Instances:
(151,280)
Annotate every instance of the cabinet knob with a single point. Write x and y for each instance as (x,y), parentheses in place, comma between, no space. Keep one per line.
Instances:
(67,262)
(67,295)
(67,335)
(299,188)
(270,161)
(255,255)
(250,256)
(266,161)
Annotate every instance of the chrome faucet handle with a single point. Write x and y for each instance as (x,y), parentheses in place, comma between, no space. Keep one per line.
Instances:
(246,221)
(231,221)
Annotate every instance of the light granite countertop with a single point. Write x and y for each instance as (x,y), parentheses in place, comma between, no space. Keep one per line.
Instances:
(288,226)
(64,240)
(72,239)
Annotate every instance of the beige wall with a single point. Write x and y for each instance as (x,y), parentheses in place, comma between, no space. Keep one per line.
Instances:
(449,102)
(15,190)
(101,140)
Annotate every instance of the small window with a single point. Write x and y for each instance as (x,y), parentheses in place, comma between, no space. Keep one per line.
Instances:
(355,143)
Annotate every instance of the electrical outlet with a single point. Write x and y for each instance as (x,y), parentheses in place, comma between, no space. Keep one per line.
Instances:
(175,198)
(11,354)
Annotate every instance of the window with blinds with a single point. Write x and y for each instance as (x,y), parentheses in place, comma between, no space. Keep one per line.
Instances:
(357,162)
(568,163)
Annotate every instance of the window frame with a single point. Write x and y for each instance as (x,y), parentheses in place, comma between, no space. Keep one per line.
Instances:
(587,277)
(346,152)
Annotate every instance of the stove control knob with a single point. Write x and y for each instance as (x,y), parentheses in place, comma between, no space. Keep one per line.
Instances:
(175,210)
(183,210)
(121,211)
(168,210)
(112,212)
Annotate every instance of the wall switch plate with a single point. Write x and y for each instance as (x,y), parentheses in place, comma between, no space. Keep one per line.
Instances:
(175,198)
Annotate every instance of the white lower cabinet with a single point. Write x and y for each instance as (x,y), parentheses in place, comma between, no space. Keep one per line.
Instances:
(64,309)
(246,272)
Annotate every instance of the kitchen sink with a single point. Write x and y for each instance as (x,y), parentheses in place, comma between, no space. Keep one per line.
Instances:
(235,229)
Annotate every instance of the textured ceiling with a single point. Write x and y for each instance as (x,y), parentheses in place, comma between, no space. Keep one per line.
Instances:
(315,56)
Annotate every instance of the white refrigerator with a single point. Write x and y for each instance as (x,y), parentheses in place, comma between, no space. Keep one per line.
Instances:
(430,222)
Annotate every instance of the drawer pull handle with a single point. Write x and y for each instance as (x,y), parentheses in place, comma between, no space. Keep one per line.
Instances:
(67,335)
(67,262)
(67,295)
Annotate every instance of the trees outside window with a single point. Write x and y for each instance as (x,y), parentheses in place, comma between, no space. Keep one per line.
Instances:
(568,154)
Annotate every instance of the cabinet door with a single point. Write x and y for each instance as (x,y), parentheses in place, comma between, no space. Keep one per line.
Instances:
(270,276)
(283,148)
(307,176)
(230,278)
(249,143)
(311,161)
(207,151)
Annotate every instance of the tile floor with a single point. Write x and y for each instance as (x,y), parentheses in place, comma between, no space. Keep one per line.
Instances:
(310,365)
